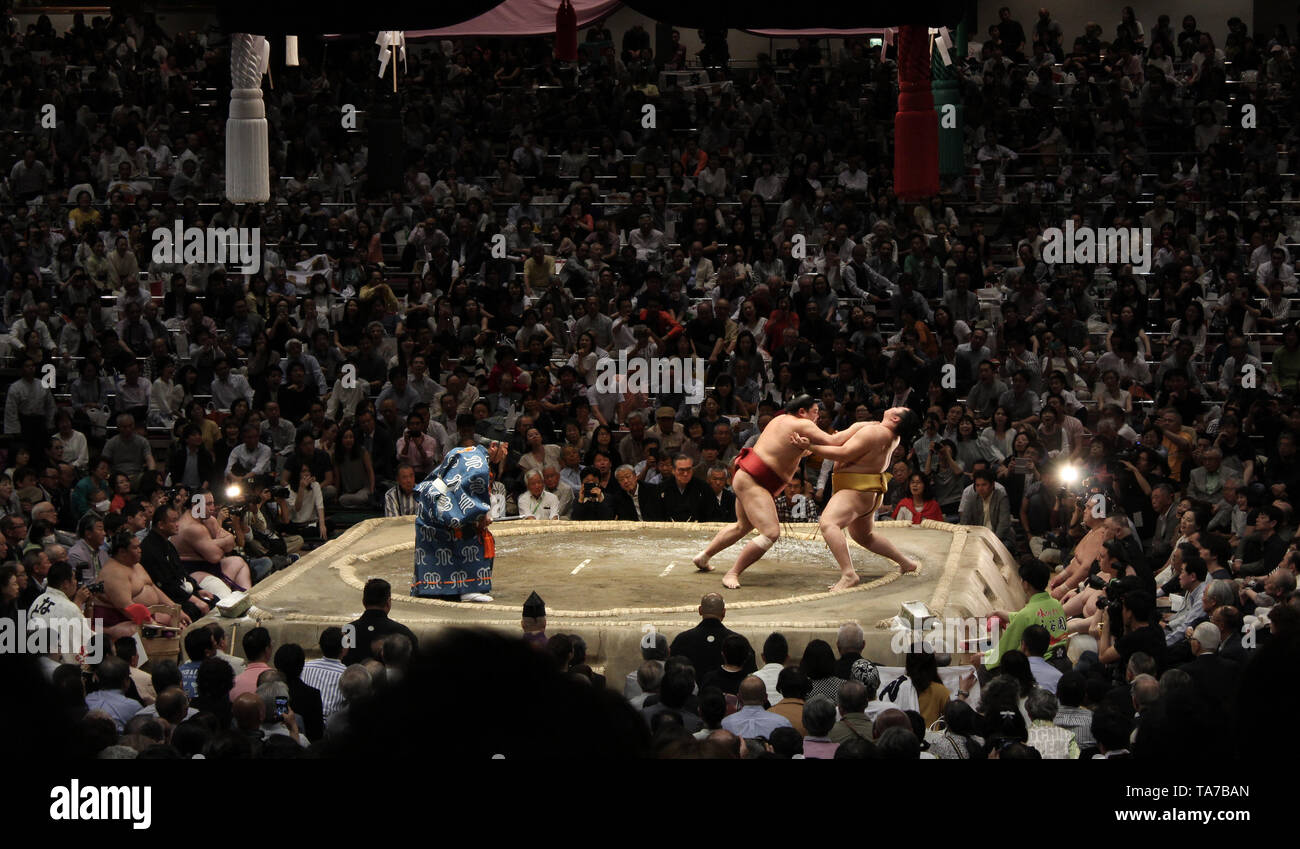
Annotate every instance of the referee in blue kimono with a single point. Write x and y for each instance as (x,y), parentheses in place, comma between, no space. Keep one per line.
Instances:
(453,548)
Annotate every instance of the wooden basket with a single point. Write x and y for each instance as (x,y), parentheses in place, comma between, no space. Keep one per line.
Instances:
(166,646)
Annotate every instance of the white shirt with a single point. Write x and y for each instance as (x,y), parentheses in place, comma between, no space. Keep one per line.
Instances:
(307,510)
(70,630)
(234,386)
(769,673)
(545,507)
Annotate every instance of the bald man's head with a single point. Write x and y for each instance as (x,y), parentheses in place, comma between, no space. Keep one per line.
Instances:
(753,691)
(248,712)
(721,743)
(712,606)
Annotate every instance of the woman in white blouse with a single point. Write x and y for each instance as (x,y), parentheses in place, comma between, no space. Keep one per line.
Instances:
(1110,392)
(165,397)
(750,320)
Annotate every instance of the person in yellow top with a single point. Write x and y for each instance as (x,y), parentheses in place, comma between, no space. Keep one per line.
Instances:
(84,214)
(538,269)
(1178,440)
(377,287)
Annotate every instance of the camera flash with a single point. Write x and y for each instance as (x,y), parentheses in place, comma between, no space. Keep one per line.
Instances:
(1069,474)
(232,492)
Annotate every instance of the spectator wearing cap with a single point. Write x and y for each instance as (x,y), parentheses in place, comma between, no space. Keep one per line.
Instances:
(654,650)
(670,433)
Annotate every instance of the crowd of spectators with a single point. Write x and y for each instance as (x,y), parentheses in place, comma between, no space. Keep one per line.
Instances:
(542,229)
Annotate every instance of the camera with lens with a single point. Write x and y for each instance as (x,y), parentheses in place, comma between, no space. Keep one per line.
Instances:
(280,492)
(1115,590)
(97,588)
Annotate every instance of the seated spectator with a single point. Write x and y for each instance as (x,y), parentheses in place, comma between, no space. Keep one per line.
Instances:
(674,691)
(818,663)
(257,652)
(818,720)
(112,675)
(323,673)
(1052,741)
(735,653)
(369,630)
(794,687)
(853,722)
(753,719)
(308,710)
(401,499)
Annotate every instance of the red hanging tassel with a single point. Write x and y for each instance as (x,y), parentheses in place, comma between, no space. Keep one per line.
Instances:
(566,33)
(916,126)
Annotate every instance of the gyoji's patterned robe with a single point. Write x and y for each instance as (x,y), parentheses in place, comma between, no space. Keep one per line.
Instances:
(452,556)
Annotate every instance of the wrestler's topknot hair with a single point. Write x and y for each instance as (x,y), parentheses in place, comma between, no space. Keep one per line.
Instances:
(908,427)
(802,402)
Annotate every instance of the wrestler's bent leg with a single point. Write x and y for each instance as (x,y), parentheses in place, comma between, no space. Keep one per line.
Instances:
(730,534)
(845,506)
(760,510)
(863,532)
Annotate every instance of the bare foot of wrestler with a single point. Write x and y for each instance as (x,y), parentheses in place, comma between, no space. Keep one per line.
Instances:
(859,483)
(761,472)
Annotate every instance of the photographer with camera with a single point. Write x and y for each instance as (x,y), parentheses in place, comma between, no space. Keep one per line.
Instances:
(1139,632)
(592,505)
(266,519)
(207,540)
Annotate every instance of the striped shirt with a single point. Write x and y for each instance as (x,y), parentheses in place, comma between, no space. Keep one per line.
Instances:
(324,674)
(398,503)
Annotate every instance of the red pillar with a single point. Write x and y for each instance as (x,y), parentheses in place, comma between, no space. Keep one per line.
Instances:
(916,126)
(566,33)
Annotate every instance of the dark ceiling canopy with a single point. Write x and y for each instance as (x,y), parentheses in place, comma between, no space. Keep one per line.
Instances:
(310,17)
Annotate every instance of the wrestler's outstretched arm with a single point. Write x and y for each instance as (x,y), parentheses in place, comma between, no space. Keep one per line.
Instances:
(817,436)
(855,447)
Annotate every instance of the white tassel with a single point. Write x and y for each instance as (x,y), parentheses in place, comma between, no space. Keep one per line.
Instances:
(943,43)
(388,41)
(248,178)
(291,51)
